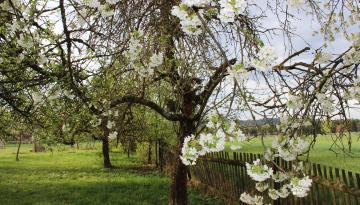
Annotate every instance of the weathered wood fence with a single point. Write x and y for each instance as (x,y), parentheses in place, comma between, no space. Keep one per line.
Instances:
(226,174)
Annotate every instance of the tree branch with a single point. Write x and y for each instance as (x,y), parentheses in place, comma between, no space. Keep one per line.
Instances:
(148,103)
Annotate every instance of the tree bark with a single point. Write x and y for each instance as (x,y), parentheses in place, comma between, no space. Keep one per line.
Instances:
(105,143)
(18,149)
(149,154)
(105,150)
(178,192)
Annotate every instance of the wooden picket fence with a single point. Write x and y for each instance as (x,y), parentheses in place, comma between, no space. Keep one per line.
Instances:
(226,174)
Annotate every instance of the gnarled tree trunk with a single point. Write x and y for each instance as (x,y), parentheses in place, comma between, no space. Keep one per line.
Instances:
(178,192)
(105,151)
(105,144)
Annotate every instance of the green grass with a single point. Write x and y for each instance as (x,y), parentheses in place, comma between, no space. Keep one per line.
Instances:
(77,177)
(320,153)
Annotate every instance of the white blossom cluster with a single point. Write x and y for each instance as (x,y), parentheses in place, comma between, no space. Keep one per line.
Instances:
(211,142)
(113,135)
(189,152)
(65,128)
(326,102)
(283,192)
(198,3)
(261,186)
(353,56)
(236,138)
(238,73)
(300,187)
(253,200)
(134,54)
(265,60)
(279,176)
(288,149)
(258,171)
(294,102)
(296,3)
(110,124)
(156,60)
(323,57)
(231,8)
(189,20)
(104,9)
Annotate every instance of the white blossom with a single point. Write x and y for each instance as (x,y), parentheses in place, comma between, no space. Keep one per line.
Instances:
(286,154)
(230,8)
(323,57)
(265,59)
(261,186)
(25,41)
(156,60)
(198,3)
(135,49)
(113,135)
(239,137)
(283,192)
(190,22)
(238,73)
(296,3)
(68,94)
(92,3)
(105,11)
(252,200)
(352,56)
(189,154)
(298,167)
(269,155)
(65,128)
(110,124)
(213,143)
(112,1)
(294,101)
(37,98)
(279,176)
(300,187)
(325,101)
(273,194)
(258,172)
(97,123)
(299,145)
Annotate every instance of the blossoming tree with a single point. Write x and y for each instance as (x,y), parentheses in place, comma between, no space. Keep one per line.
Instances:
(196,50)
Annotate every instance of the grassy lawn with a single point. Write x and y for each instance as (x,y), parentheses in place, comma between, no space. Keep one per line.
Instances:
(77,177)
(320,153)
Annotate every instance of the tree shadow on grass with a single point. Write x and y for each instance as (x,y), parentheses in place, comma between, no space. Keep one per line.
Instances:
(125,192)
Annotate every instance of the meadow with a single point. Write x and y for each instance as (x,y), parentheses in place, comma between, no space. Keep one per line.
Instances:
(72,176)
(320,152)
(75,176)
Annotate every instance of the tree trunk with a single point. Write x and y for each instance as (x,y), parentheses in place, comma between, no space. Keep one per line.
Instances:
(178,192)
(18,149)
(149,154)
(105,150)
(105,143)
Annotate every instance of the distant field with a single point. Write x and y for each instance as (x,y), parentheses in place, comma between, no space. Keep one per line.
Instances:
(320,153)
(77,177)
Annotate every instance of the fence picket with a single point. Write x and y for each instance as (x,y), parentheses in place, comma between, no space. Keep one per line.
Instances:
(338,179)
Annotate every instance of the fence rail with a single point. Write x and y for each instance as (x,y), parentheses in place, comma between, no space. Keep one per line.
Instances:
(227,175)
